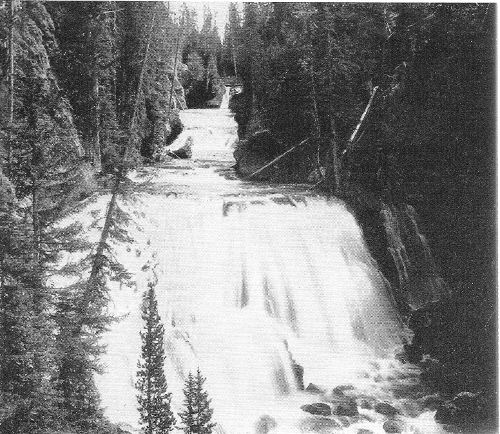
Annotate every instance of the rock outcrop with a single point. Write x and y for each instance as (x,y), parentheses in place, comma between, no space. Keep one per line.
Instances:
(318,408)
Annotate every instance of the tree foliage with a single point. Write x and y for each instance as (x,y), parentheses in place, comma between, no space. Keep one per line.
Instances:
(154,399)
(197,414)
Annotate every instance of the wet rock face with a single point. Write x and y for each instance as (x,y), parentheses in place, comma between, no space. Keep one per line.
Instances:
(364,431)
(393,426)
(318,408)
(386,409)
(312,388)
(342,404)
(465,407)
(318,425)
(346,408)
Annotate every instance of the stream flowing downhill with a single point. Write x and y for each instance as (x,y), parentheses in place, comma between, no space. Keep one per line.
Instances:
(267,288)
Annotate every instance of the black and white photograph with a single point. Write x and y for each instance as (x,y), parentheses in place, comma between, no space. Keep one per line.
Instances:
(248,217)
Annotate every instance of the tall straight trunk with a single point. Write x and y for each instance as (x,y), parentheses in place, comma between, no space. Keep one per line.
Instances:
(334,168)
(177,43)
(233,51)
(11,85)
(317,125)
(96,120)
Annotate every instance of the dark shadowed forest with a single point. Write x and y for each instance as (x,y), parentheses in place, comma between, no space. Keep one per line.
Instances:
(388,107)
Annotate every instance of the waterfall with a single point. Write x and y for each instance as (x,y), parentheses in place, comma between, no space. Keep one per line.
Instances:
(225,99)
(256,285)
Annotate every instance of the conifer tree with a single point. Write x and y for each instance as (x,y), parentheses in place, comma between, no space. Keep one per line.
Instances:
(154,401)
(197,414)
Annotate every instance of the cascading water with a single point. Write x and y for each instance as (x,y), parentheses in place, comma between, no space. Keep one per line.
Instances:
(263,287)
(225,99)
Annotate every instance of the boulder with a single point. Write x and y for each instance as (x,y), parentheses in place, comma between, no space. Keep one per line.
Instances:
(346,408)
(183,152)
(393,426)
(318,408)
(367,404)
(364,431)
(339,390)
(386,409)
(318,425)
(312,388)
(465,407)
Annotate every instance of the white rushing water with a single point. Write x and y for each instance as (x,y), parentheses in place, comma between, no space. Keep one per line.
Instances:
(252,280)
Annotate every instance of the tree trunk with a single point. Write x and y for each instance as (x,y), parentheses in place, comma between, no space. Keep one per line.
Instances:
(133,117)
(334,168)
(177,43)
(11,86)
(317,125)
(96,142)
(355,133)
(278,158)
(234,57)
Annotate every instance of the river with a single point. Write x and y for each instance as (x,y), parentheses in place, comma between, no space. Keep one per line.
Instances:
(256,283)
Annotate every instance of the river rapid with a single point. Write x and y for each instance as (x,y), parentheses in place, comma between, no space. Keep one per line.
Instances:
(268,289)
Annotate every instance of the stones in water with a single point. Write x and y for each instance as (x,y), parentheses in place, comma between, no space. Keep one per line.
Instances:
(342,404)
(393,426)
(318,408)
(346,408)
(318,425)
(312,388)
(339,390)
(386,409)
(366,404)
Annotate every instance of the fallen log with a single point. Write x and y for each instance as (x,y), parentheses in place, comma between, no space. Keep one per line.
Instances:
(277,158)
(352,139)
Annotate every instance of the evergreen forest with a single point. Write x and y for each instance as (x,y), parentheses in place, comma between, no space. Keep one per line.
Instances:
(389,107)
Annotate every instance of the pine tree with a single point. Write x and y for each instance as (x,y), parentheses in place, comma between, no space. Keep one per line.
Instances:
(197,415)
(154,401)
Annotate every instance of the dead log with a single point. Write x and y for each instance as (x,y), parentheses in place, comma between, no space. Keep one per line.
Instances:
(278,158)
(352,140)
